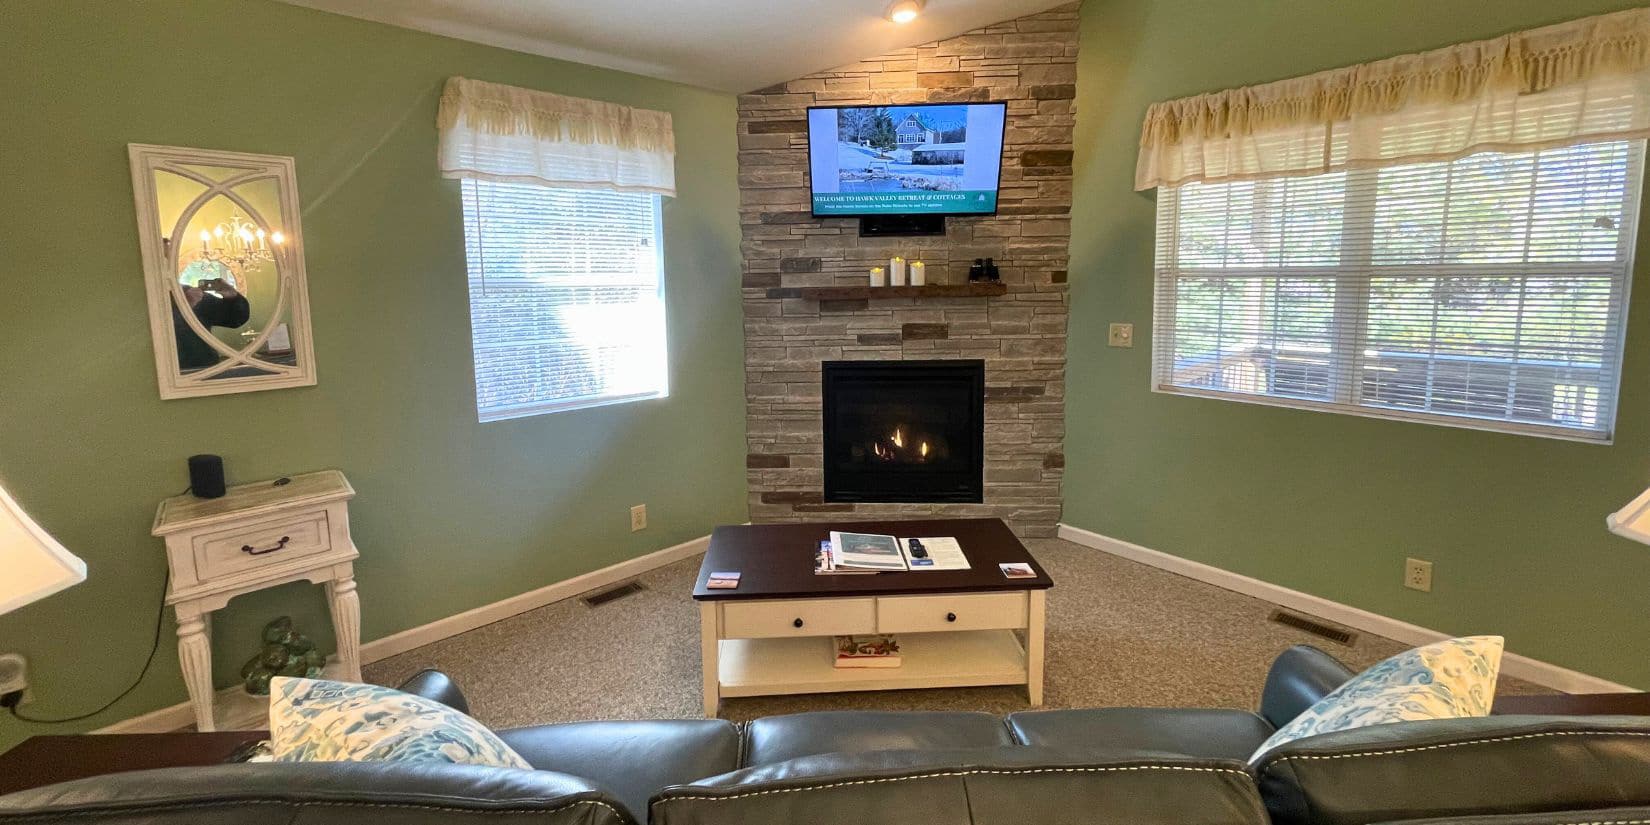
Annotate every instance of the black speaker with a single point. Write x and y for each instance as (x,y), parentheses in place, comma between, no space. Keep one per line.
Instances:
(206,476)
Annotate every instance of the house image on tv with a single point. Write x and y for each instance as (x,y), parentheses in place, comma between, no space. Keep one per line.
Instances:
(912,132)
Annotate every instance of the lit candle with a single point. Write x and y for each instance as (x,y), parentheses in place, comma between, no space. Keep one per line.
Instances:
(206,237)
(879,276)
(919,273)
(896,271)
(262,243)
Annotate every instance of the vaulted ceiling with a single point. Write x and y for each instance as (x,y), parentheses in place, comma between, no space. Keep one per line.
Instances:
(730,45)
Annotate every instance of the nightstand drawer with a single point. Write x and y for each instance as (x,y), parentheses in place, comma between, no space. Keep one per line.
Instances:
(798,617)
(273,542)
(961,611)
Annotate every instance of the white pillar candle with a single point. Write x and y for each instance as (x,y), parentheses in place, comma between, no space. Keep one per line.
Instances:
(879,276)
(896,271)
(919,273)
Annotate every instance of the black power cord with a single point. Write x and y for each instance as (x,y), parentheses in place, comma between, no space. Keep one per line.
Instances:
(10,701)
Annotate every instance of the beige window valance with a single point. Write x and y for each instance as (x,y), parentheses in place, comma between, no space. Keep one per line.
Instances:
(506,133)
(1575,82)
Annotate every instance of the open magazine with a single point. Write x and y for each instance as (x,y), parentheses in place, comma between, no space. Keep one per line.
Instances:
(866,551)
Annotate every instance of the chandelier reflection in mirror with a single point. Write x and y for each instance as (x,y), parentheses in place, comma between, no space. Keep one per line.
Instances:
(237,245)
(223,263)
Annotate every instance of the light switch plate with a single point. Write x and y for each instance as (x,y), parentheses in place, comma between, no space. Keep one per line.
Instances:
(1121,335)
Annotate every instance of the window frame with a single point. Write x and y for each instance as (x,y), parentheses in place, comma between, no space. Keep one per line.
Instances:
(485,416)
(1353,306)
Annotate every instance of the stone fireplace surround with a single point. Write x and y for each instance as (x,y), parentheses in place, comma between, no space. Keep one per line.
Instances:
(1030,63)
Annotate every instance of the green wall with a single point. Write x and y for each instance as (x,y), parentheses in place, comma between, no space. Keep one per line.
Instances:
(450,514)
(1325,503)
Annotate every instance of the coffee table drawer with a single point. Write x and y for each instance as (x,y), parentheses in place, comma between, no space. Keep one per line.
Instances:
(798,617)
(958,611)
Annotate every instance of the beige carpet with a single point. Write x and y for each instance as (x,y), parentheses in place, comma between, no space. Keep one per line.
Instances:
(1119,634)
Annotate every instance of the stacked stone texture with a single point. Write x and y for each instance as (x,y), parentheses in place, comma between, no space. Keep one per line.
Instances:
(1029,63)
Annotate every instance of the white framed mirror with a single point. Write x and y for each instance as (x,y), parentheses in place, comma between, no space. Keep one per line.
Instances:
(223,266)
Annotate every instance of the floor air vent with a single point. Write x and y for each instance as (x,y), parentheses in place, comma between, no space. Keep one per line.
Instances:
(1314,627)
(613,594)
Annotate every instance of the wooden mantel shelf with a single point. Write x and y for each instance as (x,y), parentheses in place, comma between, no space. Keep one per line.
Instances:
(974,289)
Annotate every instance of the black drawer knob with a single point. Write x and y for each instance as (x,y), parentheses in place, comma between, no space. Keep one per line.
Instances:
(796,623)
(950,617)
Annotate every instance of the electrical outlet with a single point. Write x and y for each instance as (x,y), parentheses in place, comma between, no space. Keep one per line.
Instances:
(1120,335)
(14,675)
(1418,575)
(638,518)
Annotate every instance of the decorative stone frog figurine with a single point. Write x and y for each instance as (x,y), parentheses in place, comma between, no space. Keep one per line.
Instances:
(286,652)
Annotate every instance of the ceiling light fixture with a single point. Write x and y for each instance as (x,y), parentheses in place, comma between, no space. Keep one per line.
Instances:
(904,11)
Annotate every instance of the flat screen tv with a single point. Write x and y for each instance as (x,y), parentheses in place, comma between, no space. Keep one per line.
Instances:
(937,159)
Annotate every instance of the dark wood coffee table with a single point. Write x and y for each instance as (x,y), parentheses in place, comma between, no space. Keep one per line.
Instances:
(962,628)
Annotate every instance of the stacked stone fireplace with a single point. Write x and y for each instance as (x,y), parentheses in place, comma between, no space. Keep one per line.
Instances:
(1019,337)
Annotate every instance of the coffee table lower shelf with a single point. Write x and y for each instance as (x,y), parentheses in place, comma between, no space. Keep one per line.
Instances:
(767,667)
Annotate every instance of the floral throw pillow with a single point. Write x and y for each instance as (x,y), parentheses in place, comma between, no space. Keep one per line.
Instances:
(1447,680)
(315,720)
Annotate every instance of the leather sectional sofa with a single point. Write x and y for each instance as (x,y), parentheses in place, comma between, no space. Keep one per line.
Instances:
(1117,766)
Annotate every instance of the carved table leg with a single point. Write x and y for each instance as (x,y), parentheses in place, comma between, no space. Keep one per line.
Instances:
(346,624)
(195,659)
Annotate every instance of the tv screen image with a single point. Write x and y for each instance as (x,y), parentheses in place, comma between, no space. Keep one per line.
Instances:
(927,159)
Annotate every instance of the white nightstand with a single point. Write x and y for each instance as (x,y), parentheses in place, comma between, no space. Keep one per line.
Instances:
(258,535)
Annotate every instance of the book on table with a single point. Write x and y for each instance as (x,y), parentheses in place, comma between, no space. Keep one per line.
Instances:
(876,650)
(825,566)
(866,551)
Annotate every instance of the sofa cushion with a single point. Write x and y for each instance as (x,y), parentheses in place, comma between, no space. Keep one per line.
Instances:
(1458,767)
(982,786)
(317,720)
(631,760)
(319,793)
(1452,679)
(1196,732)
(1605,816)
(778,738)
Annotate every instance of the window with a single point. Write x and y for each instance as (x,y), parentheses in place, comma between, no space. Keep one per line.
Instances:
(1490,291)
(566,305)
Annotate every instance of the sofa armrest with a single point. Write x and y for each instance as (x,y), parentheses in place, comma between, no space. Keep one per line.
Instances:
(320,793)
(434,685)
(1449,768)
(1299,677)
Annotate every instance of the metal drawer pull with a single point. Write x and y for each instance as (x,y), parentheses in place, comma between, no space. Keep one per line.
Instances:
(797,623)
(950,617)
(250,551)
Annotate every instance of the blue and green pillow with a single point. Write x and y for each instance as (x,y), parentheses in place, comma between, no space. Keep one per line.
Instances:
(315,720)
(1446,680)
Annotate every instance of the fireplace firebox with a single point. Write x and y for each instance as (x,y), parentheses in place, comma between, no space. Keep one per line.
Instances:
(904,431)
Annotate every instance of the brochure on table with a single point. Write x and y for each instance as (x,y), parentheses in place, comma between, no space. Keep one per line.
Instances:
(872,553)
(942,553)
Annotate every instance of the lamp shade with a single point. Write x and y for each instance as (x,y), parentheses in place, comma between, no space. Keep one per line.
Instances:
(1632,521)
(34,564)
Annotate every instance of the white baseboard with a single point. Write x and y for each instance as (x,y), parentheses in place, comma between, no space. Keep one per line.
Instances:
(439,629)
(1512,664)
(179,716)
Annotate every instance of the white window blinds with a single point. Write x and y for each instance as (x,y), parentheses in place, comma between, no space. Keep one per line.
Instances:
(1488,291)
(566,306)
